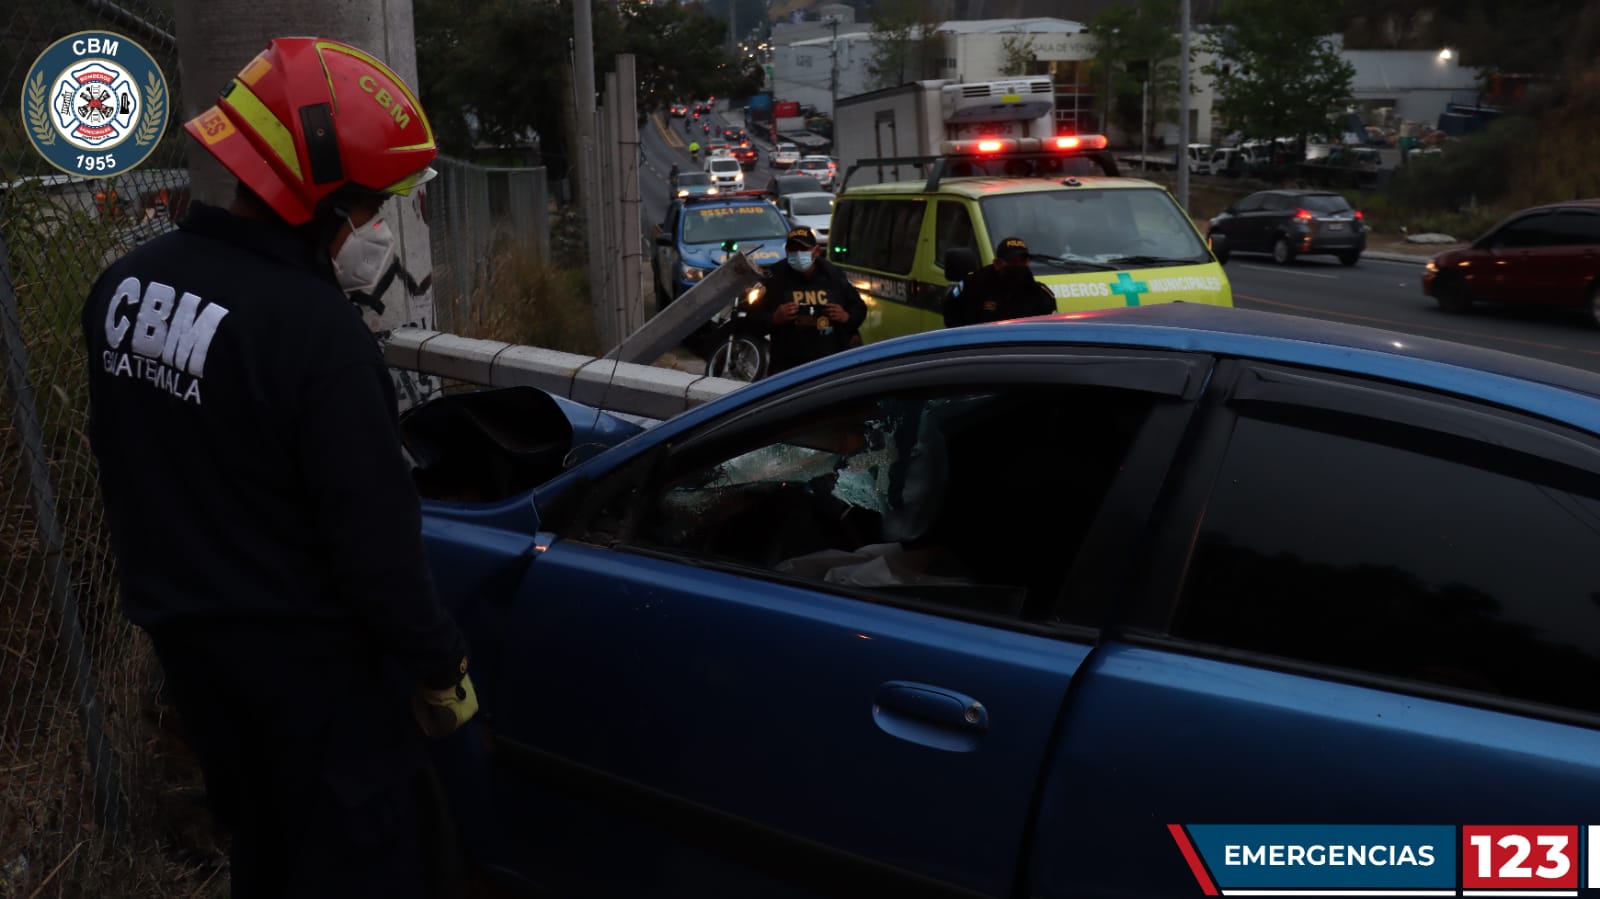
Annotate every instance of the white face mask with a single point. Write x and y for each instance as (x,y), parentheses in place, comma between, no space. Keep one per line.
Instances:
(361,263)
(800,260)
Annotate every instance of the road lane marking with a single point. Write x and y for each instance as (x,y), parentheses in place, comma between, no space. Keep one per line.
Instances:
(1290,271)
(1392,323)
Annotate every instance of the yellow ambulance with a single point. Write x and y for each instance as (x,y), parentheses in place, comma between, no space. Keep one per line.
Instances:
(1097,241)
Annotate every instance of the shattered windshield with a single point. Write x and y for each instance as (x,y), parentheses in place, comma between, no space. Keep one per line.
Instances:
(1072,228)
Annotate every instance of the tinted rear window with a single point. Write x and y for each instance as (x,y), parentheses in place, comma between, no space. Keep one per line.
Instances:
(1325,203)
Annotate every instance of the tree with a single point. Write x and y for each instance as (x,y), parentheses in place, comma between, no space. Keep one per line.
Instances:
(905,45)
(1016,55)
(506,63)
(1276,73)
(1137,44)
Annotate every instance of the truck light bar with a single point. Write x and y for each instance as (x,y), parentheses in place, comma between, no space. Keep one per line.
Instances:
(1003,145)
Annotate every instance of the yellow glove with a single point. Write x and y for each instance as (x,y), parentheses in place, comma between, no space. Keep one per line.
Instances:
(441,712)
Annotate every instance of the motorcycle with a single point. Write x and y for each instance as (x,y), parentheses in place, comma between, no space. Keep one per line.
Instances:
(740,353)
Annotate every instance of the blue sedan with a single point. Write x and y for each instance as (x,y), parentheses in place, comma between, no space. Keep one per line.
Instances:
(1005,610)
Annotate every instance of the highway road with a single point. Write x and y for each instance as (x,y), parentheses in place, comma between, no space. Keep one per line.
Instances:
(1376,292)
(1388,294)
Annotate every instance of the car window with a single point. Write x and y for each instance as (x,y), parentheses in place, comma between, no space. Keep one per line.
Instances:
(952,229)
(1538,230)
(1249,204)
(803,205)
(724,165)
(1274,202)
(1577,228)
(1094,225)
(1400,553)
(1324,203)
(936,494)
(688,179)
(882,235)
(715,224)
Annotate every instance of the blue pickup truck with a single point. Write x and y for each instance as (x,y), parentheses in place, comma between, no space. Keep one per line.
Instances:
(689,241)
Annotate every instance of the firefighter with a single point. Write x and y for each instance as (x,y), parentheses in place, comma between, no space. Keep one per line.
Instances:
(265,521)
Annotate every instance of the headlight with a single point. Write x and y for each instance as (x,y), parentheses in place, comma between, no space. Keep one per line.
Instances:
(1432,266)
(683,193)
(754,294)
(691,273)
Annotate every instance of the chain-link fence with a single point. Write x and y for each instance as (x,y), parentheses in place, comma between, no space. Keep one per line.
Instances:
(478,215)
(80,767)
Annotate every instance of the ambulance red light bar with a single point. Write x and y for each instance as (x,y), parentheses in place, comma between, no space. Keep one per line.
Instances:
(991,146)
(1080,142)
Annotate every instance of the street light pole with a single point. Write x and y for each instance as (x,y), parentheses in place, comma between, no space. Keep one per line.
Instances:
(1183,105)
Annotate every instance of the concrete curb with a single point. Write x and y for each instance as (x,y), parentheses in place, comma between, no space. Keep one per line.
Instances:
(1396,257)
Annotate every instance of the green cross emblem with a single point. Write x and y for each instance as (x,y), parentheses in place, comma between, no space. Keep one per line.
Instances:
(1129,289)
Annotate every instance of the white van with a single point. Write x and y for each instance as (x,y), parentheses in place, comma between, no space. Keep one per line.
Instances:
(726,173)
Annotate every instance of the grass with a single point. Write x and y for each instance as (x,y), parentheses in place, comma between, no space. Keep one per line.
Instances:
(527,300)
(51,842)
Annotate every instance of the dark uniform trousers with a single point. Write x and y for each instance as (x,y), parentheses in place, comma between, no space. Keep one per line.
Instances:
(311,759)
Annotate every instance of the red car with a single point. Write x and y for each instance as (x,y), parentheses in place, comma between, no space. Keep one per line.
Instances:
(1547,255)
(747,155)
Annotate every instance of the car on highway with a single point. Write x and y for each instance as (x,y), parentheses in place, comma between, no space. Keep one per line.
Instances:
(1028,609)
(697,234)
(1289,224)
(784,155)
(780,186)
(808,209)
(725,172)
(747,155)
(822,168)
(678,110)
(718,148)
(693,184)
(1541,256)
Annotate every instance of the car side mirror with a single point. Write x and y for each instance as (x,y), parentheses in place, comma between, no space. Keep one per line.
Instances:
(1219,247)
(959,262)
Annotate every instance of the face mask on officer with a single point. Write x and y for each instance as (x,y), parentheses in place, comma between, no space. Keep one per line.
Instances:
(1016,276)
(364,257)
(801,260)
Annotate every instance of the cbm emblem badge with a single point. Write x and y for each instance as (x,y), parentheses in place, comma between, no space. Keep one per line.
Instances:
(95,104)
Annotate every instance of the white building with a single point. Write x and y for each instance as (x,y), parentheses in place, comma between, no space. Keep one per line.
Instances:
(803,71)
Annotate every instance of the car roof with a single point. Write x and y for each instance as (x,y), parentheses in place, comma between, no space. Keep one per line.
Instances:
(811,193)
(979,186)
(1300,192)
(1564,204)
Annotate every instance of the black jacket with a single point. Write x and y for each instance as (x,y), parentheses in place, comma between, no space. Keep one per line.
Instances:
(810,335)
(250,463)
(986,297)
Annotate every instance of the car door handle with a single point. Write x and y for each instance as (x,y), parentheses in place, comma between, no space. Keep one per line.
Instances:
(930,716)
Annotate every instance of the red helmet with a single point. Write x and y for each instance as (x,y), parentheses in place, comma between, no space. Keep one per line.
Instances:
(309,116)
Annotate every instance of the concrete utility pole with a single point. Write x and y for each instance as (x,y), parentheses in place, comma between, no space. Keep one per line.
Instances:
(1183,104)
(630,236)
(583,104)
(216,38)
(833,66)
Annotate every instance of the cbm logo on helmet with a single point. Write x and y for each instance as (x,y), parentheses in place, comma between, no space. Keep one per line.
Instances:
(95,104)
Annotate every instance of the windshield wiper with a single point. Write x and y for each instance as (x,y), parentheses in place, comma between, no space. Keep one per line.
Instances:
(1153,260)
(1072,264)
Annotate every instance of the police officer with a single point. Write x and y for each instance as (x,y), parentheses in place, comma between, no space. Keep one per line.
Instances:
(264,519)
(807,307)
(1000,291)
